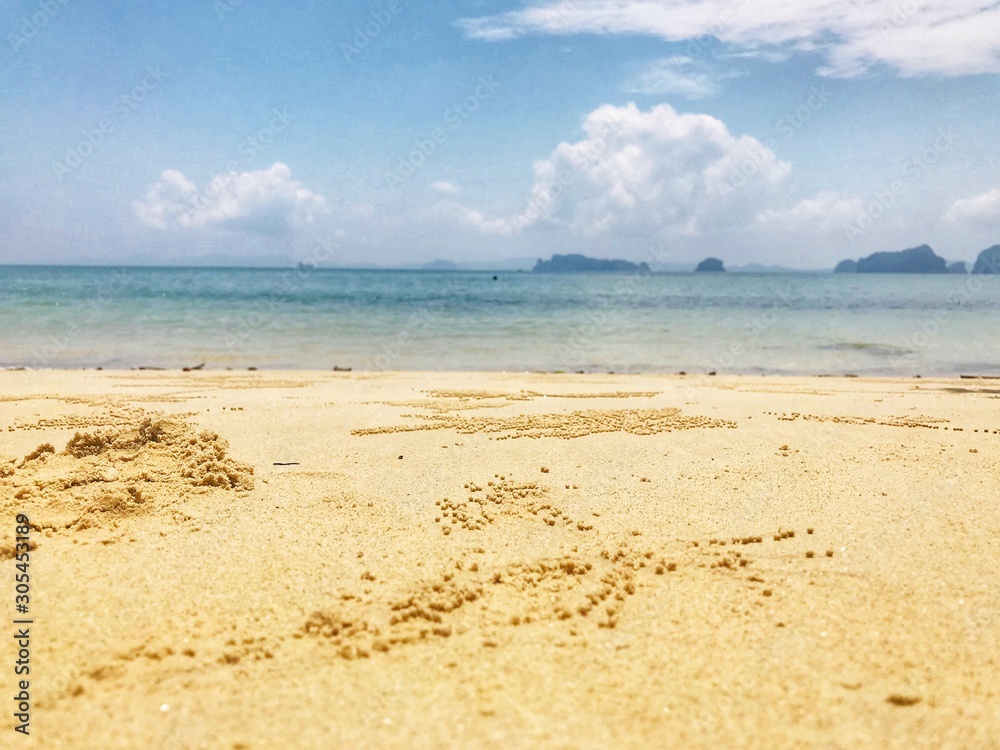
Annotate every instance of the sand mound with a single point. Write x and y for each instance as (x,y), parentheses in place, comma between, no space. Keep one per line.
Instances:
(106,476)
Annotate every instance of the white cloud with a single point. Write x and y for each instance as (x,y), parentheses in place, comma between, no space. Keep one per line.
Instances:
(672,75)
(267,202)
(979,209)
(653,171)
(828,211)
(449,188)
(916,37)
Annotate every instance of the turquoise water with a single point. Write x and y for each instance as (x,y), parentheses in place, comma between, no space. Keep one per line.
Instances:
(410,320)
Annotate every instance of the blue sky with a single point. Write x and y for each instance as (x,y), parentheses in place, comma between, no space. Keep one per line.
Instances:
(395,132)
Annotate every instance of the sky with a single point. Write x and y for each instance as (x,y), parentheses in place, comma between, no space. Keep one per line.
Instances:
(390,132)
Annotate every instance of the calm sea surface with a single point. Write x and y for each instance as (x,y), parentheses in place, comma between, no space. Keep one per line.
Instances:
(409,320)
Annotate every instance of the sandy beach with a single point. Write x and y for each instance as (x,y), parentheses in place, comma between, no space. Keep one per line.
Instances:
(319,559)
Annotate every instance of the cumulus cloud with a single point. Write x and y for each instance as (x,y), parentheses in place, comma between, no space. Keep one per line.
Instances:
(828,211)
(915,37)
(267,202)
(655,171)
(979,209)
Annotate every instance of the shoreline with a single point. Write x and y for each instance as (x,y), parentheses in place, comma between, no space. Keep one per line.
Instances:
(645,373)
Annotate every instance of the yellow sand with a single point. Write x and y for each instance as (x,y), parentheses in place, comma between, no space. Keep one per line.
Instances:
(503,560)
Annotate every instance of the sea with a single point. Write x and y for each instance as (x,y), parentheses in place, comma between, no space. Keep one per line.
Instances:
(307,318)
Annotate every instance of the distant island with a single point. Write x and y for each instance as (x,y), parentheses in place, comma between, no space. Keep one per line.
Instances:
(710,265)
(916,260)
(988,261)
(920,259)
(575,263)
